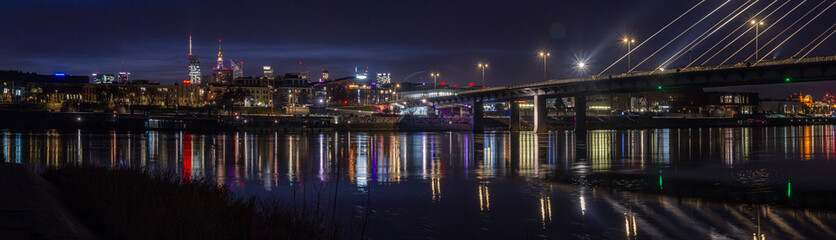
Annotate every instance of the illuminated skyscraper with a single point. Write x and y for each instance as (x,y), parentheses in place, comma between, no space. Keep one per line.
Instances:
(99,78)
(324,77)
(96,77)
(123,77)
(361,73)
(384,78)
(237,69)
(268,71)
(220,65)
(194,65)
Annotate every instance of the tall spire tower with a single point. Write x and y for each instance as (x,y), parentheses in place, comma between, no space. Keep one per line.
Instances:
(194,65)
(220,57)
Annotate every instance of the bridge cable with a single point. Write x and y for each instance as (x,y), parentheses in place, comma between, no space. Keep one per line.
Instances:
(750,28)
(787,29)
(710,31)
(651,37)
(767,29)
(817,45)
(796,31)
(814,41)
(733,33)
(680,34)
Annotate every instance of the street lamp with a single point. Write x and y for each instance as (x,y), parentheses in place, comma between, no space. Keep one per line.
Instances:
(544,55)
(581,67)
(482,67)
(435,78)
(629,42)
(757,32)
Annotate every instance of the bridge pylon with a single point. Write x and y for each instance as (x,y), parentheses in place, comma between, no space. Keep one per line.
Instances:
(477,116)
(580,114)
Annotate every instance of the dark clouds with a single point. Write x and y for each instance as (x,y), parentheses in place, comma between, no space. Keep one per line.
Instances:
(402,37)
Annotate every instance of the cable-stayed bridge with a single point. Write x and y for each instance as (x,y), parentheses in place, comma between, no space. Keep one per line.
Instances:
(772,26)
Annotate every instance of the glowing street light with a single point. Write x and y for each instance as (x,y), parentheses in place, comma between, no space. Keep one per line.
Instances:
(544,55)
(435,78)
(580,66)
(629,42)
(482,67)
(756,23)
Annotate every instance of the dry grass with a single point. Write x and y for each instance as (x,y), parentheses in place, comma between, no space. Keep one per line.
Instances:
(136,204)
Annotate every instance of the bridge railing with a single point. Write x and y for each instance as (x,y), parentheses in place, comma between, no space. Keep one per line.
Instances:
(657,72)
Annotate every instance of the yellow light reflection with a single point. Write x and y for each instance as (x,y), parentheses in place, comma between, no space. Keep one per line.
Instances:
(630,225)
(435,184)
(545,210)
(484,198)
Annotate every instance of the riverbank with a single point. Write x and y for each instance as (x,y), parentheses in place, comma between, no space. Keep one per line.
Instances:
(133,204)
(225,123)
(326,123)
(30,208)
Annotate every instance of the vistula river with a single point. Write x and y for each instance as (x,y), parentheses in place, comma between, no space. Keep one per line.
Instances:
(496,185)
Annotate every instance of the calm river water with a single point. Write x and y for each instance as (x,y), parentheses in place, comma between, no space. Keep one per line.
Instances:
(481,186)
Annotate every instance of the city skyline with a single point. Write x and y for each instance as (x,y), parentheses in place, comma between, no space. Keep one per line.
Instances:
(380,119)
(450,38)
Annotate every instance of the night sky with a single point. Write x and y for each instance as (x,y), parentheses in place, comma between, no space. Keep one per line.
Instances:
(407,38)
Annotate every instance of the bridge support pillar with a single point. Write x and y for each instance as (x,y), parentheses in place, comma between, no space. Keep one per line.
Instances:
(580,114)
(514,114)
(477,116)
(540,114)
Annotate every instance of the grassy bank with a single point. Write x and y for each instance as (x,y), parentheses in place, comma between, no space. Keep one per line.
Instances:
(133,204)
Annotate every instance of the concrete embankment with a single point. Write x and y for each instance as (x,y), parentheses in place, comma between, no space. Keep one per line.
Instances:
(624,122)
(215,123)
(320,123)
(30,209)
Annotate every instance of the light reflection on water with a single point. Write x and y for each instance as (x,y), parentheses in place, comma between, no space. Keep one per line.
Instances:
(444,185)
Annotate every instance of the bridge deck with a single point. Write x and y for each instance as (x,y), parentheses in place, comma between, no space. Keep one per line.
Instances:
(773,71)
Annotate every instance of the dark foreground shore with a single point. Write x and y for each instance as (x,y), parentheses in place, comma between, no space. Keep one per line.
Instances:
(88,202)
(31,209)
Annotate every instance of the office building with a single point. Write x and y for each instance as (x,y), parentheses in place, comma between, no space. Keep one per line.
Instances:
(123,77)
(222,76)
(361,73)
(384,78)
(325,75)
(237,69)
(268,71)
(99,78)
